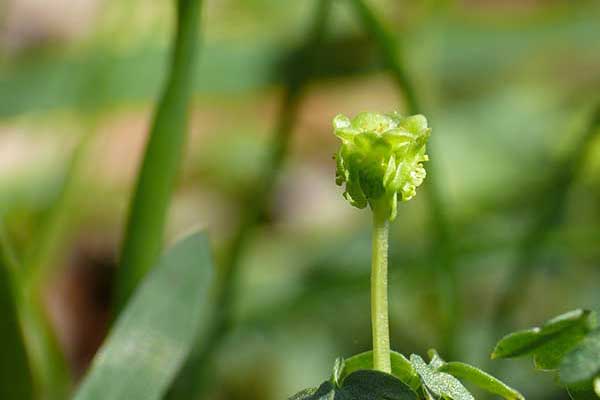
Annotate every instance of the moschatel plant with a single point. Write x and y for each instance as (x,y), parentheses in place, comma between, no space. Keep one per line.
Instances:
(380,162)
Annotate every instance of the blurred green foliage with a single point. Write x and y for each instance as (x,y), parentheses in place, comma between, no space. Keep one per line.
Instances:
(508,88)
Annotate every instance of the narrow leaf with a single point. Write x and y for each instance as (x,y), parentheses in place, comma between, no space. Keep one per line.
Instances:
(148,209)
(157,329)
(49,371)
(15,375)
(480,378)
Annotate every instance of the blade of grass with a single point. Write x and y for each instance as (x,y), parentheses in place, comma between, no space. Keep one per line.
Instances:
(148,210)
(256,205)
(43,251)
(16,382)
(49,366)
(157,329)
(49,369)
(550,214)
(442,247)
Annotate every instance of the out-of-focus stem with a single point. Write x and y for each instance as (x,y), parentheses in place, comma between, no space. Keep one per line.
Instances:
(550,213)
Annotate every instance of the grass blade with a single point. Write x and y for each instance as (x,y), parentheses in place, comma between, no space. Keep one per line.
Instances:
(157,329)
(49,370)
(16,382)
(51,239)
(144,235)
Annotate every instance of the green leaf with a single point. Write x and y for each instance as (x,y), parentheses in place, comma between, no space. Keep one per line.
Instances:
(582,391)
(480,378)
(47,363)
(401,368)
(550,342)
(597,386)
(15,376)
(549,355)
(474,375)
(324,392)
(441,384)
(583,362)
(360,385)
(373,385)
(583,395)
(148,209)
(157,329)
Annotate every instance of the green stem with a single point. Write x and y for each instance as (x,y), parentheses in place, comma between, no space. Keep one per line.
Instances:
(379,295)
(442,246)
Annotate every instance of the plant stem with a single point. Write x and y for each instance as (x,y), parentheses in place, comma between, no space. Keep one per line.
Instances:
(379,295)
(442,244)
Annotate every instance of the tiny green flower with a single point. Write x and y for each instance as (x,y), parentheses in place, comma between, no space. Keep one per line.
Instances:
(381,159)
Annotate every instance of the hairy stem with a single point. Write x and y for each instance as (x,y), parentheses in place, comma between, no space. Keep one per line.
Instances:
(379,295)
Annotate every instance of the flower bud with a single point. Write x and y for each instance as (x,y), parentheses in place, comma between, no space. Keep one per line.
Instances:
(380,159)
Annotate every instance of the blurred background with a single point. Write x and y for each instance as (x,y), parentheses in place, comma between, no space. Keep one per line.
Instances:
(504,235)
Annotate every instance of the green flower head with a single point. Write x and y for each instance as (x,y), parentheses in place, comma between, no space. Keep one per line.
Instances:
(380,159)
